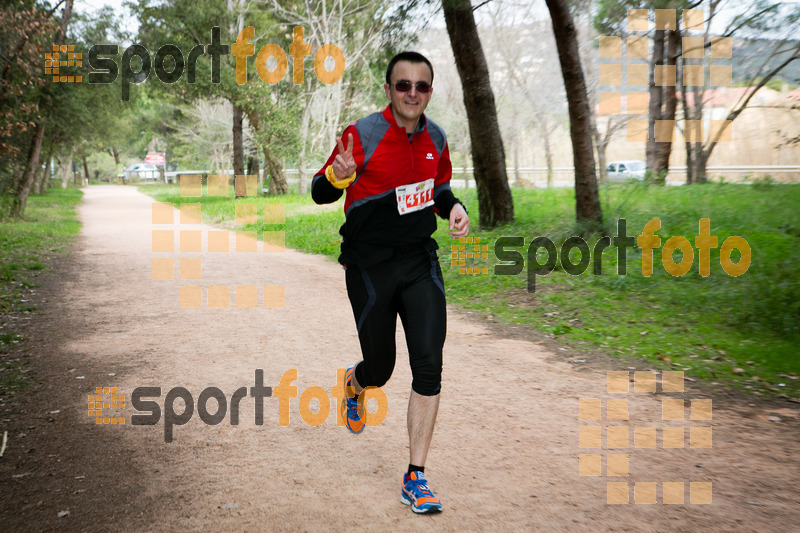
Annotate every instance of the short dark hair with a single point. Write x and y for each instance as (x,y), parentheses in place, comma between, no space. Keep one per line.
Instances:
(411,57)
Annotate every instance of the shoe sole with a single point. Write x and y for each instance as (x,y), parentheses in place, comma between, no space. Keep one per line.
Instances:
(404,500)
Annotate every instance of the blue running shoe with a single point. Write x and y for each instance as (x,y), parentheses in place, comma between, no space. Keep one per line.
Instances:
(352,412)
(417,494)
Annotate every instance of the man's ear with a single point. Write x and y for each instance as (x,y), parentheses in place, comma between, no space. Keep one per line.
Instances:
(386,90)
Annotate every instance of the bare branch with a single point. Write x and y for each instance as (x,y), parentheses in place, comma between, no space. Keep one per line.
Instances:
(737,111)
(481,5)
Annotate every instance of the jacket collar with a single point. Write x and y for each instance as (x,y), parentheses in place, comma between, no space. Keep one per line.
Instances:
(389,116)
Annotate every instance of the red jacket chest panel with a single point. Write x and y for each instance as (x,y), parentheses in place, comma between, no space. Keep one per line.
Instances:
(397,161)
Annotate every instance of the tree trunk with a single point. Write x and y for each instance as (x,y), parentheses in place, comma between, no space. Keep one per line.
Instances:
(664,149)
(37,180)
(544,130)
(601,143)
(587,199)
(304,127)
(44,182)
(116,165)
(656,91)
(687,145)
(301,174)
(697,147)
(689,164)
(517,175)
(85,170)
(252,168)
(495,205)
(515,149)
(700,163)
(238,154)
(67,170)
(24,186)
(277,181)
(464,169)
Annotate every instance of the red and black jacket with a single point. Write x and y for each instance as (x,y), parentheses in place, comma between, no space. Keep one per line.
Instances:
(388,157)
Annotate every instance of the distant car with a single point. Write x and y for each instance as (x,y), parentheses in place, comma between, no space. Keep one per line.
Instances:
(142,171)
(620,171)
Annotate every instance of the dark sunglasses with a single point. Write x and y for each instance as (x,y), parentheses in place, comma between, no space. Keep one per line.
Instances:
(404,86)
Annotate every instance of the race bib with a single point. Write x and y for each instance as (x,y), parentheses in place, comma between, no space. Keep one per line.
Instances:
(414,197)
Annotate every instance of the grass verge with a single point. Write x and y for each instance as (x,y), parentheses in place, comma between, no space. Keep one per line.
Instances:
(27,248)
(741,331)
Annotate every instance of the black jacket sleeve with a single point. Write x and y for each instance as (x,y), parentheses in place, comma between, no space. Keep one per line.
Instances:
(322,192)
(444,202)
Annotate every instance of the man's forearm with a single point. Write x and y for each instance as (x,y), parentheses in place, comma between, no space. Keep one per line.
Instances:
(444,202)
(322,192)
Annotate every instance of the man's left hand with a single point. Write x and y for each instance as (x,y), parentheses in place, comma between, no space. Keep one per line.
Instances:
(459,221)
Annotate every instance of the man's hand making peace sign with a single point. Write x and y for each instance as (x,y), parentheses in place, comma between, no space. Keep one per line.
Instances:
(344,165)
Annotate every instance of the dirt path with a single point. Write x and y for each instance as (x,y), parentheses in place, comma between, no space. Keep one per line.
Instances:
(504,455)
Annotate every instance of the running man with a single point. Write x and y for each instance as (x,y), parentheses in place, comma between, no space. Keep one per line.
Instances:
(395,168)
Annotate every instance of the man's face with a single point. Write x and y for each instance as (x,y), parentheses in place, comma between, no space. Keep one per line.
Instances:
(408,106)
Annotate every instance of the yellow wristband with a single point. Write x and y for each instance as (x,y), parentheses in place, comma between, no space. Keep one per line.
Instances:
(339,184)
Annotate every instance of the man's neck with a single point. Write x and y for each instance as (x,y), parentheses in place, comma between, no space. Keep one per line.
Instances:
(410,128)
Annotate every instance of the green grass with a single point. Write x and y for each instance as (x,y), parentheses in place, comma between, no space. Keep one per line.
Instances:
(707,326)
(307,227)
(27,247)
